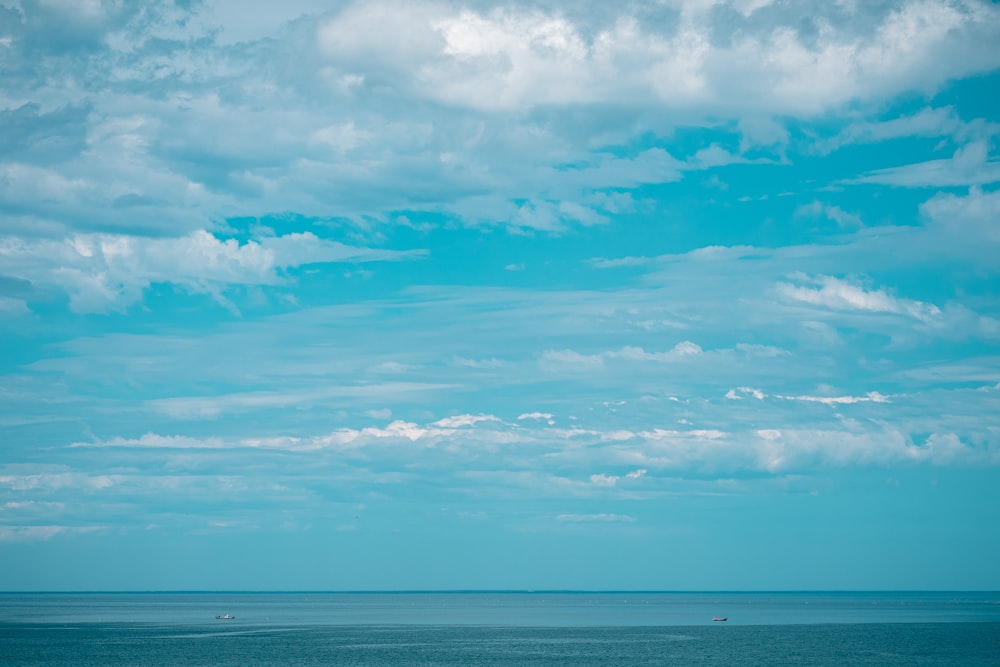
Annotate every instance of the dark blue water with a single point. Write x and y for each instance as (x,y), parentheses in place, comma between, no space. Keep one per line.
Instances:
(500,629)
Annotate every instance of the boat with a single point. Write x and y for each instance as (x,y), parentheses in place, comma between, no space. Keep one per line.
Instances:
(719,618)
(225,617)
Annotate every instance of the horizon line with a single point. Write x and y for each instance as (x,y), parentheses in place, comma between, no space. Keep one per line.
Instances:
(526,591)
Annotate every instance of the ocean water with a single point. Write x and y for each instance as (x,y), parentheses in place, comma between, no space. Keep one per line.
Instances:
(500,629)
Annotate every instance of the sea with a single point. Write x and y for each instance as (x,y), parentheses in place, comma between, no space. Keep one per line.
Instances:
(500,628)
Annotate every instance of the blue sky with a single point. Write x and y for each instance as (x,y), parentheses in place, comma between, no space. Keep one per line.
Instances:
(691,294)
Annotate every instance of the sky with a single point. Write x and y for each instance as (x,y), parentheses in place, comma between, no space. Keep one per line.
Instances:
(665,295)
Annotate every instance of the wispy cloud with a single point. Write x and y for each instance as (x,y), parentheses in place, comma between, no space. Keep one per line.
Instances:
(968,166)
(43,533)
(601,518)
(844,295)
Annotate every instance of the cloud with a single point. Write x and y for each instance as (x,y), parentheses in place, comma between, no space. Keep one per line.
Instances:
(536,445)
(43,533)
(478,363)
(681,350)
(156,441)
(601,479)
(484,456)
(571,360)
(838,294)
(574,360)
(105,272)
(600,518)
(182,123)
(969,220)
(968,166)
(12,307)
(602,263)
(214,406)
(842,218)
(929,122)
(610,481)
(872,396)
(459,421)
(512,58)
(742,392)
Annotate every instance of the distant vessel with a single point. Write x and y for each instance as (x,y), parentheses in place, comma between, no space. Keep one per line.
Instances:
(719,618)
(226,617)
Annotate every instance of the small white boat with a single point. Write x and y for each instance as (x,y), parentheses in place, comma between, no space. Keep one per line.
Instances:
(226,617)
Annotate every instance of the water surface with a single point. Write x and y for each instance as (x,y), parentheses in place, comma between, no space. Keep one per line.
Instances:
(500,629)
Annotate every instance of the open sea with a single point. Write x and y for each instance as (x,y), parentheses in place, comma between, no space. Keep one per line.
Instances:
(491,628)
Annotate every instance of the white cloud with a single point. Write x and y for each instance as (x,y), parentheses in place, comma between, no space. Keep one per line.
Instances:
(870,397)
(968,166)
(601,518)
(460,421)
(474,455)
(601,479)
(681,350)
(838,294)
(154,440)
(929,122)
(103,272)
(575,360)
(308,117)
(535,415)
(740,392)
(513,58)
(968,220)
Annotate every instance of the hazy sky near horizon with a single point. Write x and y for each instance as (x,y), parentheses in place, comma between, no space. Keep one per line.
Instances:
(688,294)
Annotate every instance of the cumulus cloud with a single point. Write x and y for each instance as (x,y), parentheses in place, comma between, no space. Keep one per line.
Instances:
(838,294)
(742,392)
(182,122)
(459,421)
(507,58)
(970,218)
(537,445)
(476,456)
(103,272)
(610,481)
(953,321)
